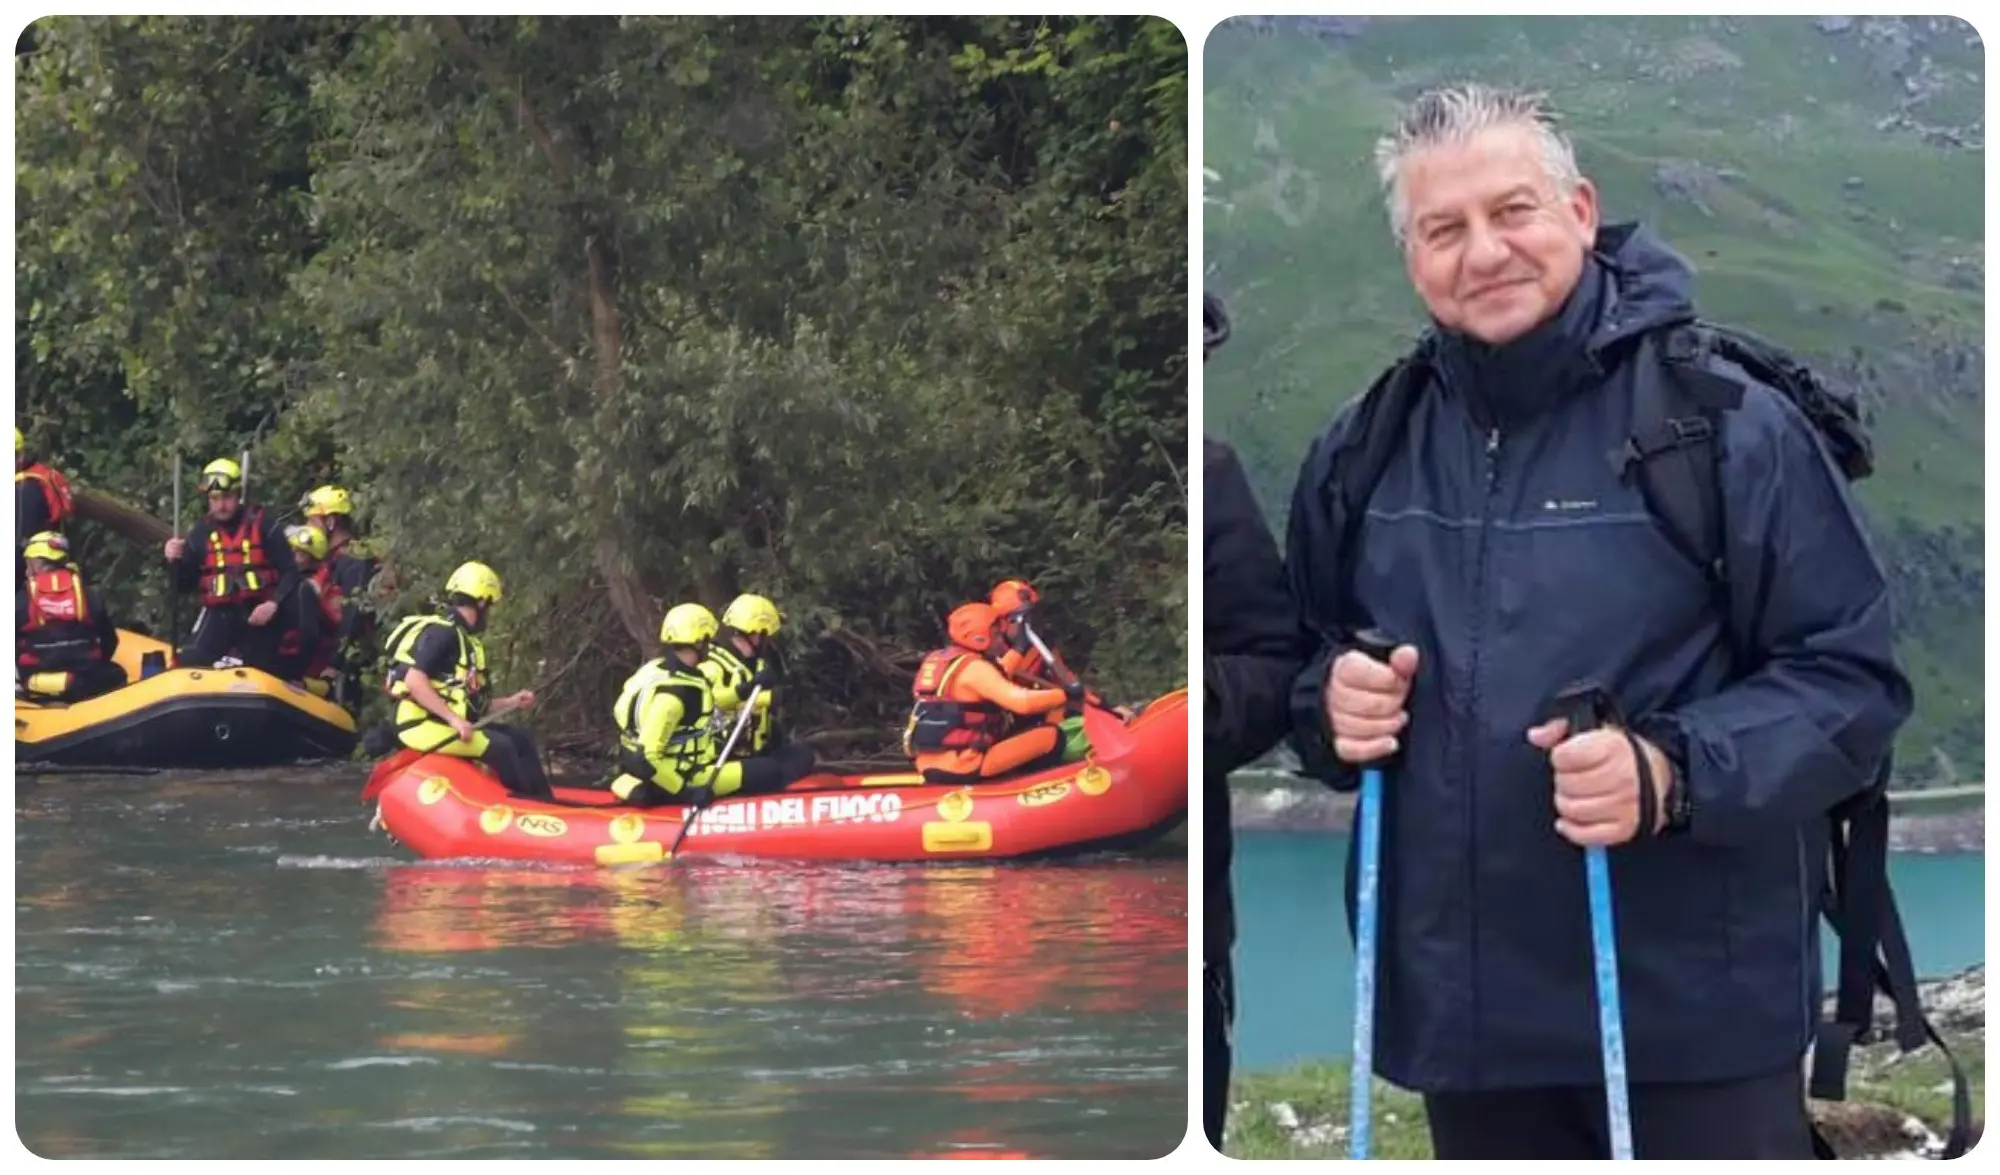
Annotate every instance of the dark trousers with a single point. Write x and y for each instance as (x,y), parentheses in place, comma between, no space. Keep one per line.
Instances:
(511,752)
(776,769)
(85,683)
(219,631)
(1746,1118)
(1218,1016)
(773,771)
(292,667)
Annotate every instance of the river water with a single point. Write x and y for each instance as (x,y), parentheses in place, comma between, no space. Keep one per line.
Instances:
(231,966)
(1295,962)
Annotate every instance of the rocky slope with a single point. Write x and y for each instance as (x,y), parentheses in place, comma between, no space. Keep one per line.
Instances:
(1824,175)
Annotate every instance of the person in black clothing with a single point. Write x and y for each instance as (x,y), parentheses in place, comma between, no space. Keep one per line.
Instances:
(43,501)
(438,676)
(331,509)
(301,620)
(65,638)
(1252,647)
(237,558)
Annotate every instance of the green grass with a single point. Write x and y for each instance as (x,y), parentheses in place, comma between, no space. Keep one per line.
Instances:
(1296,239)
(1317,1096)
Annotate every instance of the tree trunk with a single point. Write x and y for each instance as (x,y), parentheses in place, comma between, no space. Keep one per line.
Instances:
(635,608)
(126,521)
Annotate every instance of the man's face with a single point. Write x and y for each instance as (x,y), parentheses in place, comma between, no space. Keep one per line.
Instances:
(222,503)
(1494,248)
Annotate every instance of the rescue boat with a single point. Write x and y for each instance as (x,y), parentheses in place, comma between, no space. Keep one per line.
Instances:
(183,717)
(1129,789)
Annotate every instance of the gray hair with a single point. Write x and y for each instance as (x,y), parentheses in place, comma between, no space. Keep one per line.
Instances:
(1456,113)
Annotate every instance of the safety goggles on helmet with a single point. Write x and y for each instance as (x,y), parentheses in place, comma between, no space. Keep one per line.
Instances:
(221,476)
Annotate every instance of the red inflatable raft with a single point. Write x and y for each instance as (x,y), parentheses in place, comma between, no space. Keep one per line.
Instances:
(1130,788)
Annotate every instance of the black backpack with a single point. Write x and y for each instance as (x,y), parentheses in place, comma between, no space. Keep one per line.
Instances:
(1673,455)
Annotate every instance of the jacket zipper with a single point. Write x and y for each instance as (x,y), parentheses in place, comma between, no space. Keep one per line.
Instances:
(1471,750)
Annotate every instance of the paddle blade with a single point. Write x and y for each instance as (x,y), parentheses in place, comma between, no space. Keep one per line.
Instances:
(385,771)
(1109,738)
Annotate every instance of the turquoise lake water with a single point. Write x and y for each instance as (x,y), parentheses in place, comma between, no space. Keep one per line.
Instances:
(1295,962)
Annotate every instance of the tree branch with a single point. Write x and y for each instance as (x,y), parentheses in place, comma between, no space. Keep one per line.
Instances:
(556,152)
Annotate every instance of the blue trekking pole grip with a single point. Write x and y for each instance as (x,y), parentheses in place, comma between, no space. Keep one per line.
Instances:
(1579,704)
(1360,1091)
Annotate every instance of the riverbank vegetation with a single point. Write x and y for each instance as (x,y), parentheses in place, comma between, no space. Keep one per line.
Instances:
(863,314)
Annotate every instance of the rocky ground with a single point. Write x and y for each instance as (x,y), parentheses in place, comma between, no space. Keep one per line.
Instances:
(1898,1105)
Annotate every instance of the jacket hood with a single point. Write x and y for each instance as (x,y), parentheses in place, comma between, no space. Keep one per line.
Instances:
(1651,284)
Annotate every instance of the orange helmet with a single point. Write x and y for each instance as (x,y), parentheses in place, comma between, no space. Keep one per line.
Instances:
(1014,595)
(971,626)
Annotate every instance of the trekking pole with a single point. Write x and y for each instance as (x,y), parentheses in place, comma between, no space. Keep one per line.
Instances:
(715,772)
(1377,645)
(1579,705)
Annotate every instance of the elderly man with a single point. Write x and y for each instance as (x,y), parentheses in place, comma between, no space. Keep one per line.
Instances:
(1251,648)
(1513,545)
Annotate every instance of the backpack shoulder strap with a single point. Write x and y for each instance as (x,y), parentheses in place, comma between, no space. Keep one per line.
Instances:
(1874,956)
(1674,452)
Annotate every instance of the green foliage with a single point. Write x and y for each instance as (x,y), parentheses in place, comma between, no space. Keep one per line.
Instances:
(1810,216)
(864,314)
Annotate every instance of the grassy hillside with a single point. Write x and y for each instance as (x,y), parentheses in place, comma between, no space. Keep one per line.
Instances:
(1824,177)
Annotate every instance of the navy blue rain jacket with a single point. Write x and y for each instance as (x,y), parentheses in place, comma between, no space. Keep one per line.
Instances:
(1501,542)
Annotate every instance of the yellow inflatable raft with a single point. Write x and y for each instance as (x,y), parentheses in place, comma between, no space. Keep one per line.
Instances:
(198,718)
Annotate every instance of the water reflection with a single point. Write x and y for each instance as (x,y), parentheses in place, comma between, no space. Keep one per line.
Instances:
(755,997)
(239,971)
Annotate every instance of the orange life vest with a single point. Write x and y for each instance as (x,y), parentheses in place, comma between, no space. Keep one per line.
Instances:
(58,633)
(55,491)
(937,723)
(235,568)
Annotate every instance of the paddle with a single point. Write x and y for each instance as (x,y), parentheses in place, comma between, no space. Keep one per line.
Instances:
(386,770)
(1108,736)
(173,587)
(715,773)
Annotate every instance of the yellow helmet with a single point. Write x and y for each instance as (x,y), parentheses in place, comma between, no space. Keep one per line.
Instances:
(476,580)
(327,500)
(310,539)
(687,624)
(49,545)
(752,614)
(221,474)
(20,442)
